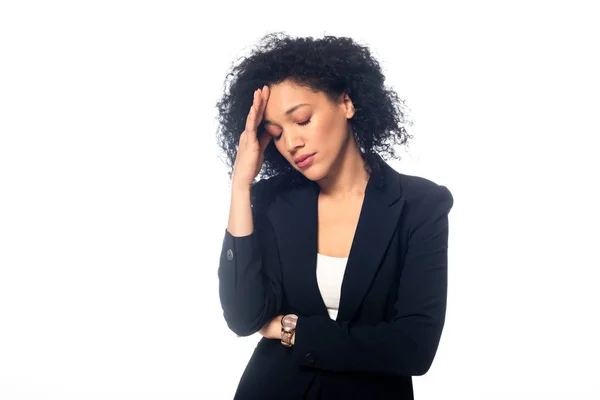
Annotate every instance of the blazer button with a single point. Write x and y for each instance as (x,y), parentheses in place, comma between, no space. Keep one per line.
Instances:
(309,358)
(229,254)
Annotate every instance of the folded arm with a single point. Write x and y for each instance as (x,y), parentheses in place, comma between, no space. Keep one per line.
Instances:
(407,344)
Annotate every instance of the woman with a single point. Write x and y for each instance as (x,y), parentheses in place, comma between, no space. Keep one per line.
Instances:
(336,259)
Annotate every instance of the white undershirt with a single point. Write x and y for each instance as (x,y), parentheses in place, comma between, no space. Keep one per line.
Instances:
(330,273)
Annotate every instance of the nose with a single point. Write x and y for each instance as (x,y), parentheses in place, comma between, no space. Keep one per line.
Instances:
(293,142)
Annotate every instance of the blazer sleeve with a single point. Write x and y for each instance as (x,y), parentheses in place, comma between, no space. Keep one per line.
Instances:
(407,344)
(249,273)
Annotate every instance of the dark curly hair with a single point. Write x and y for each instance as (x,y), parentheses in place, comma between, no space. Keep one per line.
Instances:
(331,65)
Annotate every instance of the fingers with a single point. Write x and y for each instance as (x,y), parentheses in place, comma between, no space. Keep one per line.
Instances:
(251,118)
(257,110)
(263,97)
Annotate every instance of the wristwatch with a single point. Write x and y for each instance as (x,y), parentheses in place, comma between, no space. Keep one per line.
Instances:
(288,327)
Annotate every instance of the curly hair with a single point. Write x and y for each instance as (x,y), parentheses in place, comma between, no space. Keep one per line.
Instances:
(331,65)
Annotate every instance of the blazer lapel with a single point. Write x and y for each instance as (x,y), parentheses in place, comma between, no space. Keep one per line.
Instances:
(294,219)
(378,220)
(294,216)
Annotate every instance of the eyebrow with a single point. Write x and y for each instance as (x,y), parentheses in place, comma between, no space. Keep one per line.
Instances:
(288,112)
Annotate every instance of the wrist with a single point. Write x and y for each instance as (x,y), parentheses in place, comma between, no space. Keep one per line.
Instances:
(242,184)
(288,329)
(240,189)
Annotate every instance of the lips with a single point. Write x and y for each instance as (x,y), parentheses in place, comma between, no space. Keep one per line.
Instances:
(301,158)
(306,160)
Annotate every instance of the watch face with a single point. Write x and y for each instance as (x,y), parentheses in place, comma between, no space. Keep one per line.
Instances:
(289,321)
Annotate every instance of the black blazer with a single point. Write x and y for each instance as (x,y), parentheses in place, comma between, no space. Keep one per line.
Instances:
(393,297)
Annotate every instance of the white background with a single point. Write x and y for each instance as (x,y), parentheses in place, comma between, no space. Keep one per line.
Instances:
(113,201)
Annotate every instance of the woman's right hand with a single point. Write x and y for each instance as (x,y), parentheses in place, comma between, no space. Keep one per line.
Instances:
(251,150)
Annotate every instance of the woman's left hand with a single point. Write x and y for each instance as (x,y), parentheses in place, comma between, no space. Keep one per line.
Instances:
(272,329)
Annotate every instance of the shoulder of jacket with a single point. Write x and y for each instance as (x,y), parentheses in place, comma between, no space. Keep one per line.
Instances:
(418,188)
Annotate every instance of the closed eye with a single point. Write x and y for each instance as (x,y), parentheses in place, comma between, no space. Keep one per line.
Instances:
(299,123)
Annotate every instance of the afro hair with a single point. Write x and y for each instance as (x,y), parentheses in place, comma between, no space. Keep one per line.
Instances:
(331,65)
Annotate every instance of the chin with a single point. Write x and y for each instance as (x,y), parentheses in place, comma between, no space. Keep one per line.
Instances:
(313,173)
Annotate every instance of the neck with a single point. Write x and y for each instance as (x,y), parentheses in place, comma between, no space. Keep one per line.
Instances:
(348,177)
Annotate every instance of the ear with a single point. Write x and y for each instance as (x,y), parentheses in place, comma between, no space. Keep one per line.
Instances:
(347,105)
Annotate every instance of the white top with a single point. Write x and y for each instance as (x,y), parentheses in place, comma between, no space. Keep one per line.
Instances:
(330,273)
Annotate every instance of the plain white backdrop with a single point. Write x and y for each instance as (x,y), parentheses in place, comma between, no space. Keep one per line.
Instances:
(114,202)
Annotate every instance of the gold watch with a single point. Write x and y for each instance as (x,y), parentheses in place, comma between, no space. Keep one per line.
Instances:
(288,327)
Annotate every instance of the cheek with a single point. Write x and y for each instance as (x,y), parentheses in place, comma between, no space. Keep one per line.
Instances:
(280,146)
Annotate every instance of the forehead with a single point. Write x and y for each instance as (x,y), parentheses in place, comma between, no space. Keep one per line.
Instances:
(286,95)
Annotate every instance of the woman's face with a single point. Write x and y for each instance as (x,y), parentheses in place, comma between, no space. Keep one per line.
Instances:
(304,123)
